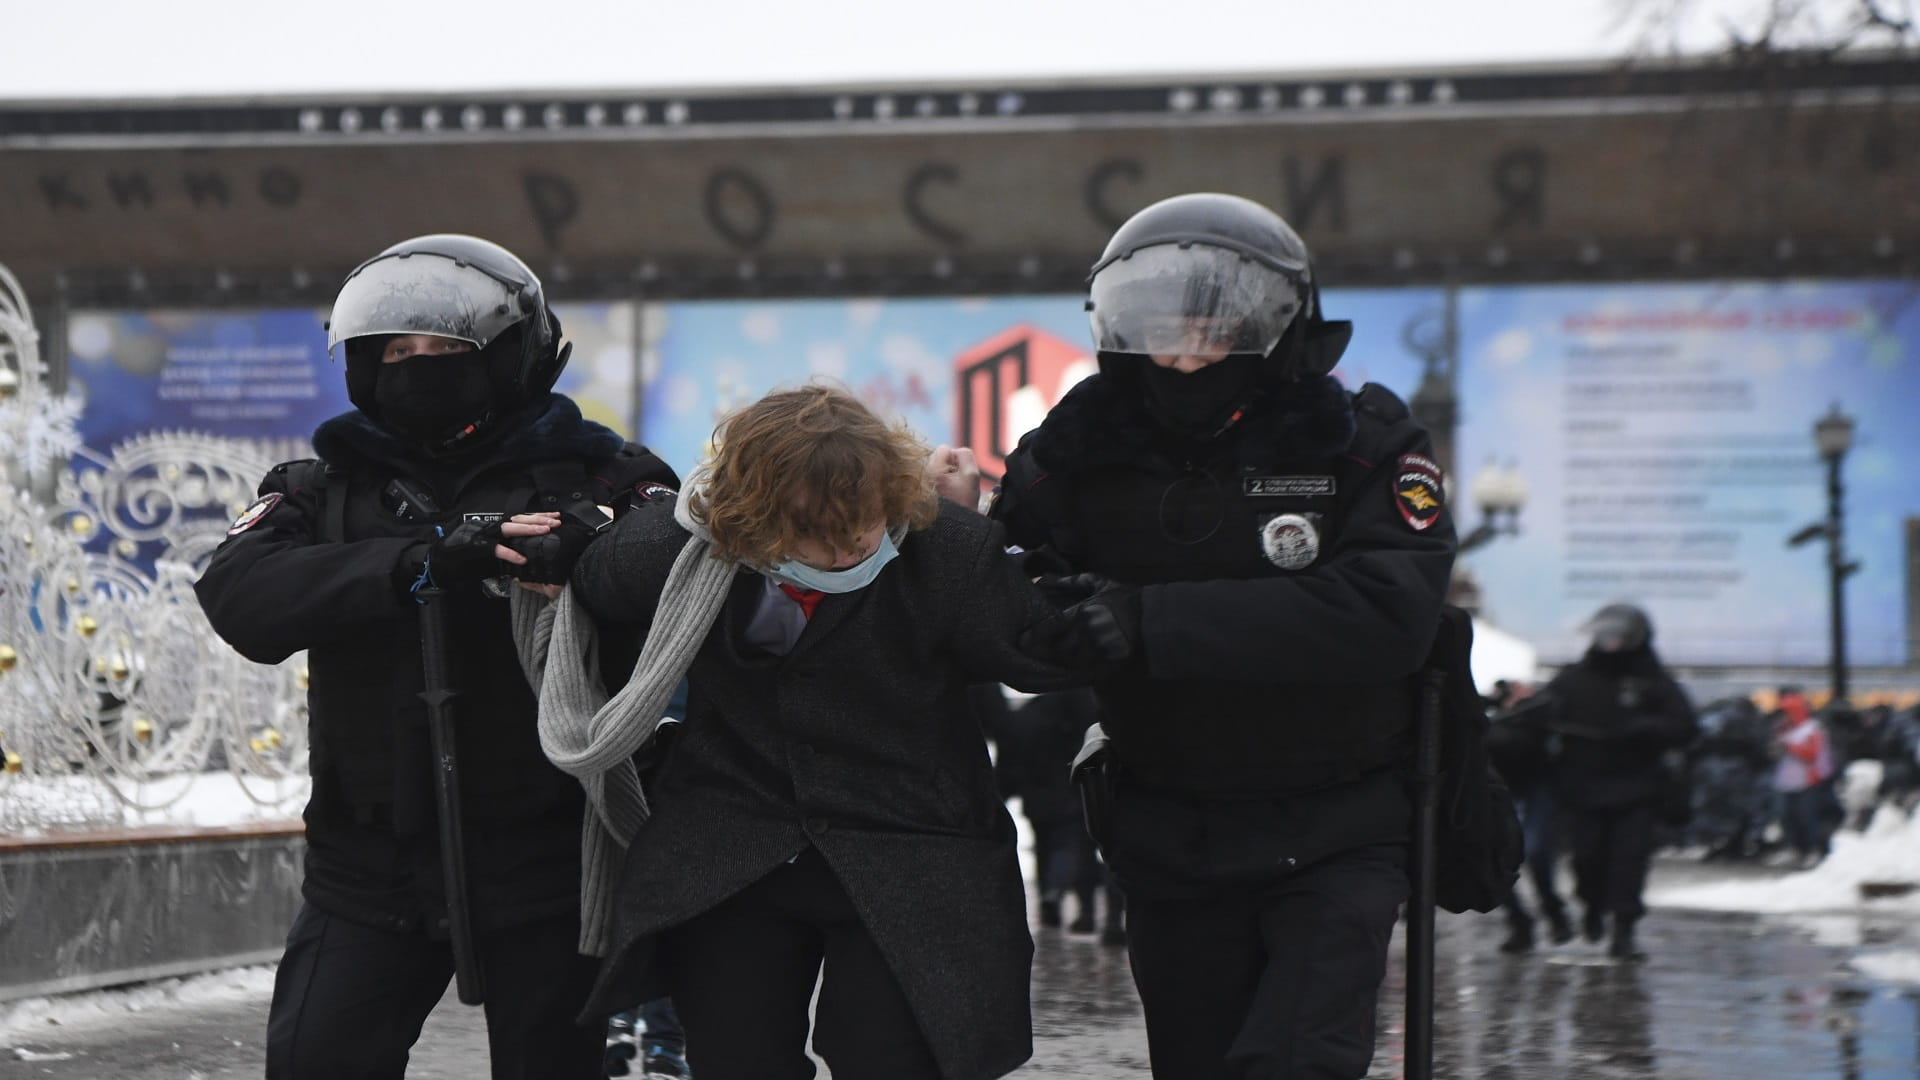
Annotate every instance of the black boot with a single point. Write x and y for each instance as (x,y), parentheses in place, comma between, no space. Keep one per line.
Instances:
(1559,927)
(1622,947)
(1083,920)
(1050,911)
(1519,937)
(1594,924)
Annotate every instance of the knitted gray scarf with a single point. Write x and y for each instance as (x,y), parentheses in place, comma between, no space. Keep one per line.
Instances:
(592,738)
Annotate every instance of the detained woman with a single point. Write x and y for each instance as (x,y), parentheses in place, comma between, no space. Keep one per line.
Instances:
(829,800)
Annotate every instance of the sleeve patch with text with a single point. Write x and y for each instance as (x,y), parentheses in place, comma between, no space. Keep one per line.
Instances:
(1419,493)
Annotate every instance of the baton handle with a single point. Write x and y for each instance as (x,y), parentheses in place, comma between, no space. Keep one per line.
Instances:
(1420,928)
(438,695)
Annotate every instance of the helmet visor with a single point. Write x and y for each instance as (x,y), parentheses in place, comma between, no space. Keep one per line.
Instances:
(423,294)
(1190,300)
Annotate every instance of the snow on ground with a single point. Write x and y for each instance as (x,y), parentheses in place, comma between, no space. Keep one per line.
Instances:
(1888,965)
(1889,852)
(20,1020)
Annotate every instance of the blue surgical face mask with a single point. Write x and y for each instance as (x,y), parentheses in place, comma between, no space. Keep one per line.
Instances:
(853,578)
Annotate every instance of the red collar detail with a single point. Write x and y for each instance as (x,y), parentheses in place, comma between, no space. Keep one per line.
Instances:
(808,599)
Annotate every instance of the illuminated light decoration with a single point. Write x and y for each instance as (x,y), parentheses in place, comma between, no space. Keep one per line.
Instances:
(1269,98)
(8,658)
(678,112)
(843,108)
(1312,97)
(1183,99)
(554,117)
(349,120)
(312,120)
(390,119)
(595,115)
(143,729)
(1224,99)
(1400,92)
(431,118)
(1009,103)
(926,107)
(473,118)
(967,104)
(86,626)
(1444,92)
(1355,95)
(513,117)
(634,115)
(883,108)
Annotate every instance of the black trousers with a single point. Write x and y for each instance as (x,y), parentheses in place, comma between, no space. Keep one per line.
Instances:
(743,973)
(1276,981)
(1611,852)
(349,1000)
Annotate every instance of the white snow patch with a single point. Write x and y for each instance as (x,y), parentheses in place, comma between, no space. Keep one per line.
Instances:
(1889,852)
(25,1054)
(1888,965)
(19,1020)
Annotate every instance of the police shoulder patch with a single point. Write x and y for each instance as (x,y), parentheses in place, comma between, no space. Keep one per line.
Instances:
(252,515)
(1419,491)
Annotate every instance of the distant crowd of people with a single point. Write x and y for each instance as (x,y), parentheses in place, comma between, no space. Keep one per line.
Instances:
(1609,762)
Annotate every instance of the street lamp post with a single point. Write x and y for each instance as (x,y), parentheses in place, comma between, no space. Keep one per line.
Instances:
(1833,434)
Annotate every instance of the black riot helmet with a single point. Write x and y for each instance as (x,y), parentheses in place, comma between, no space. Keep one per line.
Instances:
(1216,275)
(452,286)
(1620,628)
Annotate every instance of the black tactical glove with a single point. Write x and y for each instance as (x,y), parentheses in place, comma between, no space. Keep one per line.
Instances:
(550,556)
(1097,634)
(463,555)
(1066,590)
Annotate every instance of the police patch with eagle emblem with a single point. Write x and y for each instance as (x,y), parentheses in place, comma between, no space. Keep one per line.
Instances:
(251,515)
(1419,492)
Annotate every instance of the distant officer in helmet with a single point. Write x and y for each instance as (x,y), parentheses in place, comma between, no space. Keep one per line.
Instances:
(1259,558)
(462,470)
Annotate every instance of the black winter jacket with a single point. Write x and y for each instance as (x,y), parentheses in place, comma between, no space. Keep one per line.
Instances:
(1609,720)
(1265,669)
(317,566)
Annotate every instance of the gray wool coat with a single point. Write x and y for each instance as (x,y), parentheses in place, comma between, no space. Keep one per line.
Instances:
(860,743)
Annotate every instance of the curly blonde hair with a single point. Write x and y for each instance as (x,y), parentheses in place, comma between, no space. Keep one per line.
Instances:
(808,464)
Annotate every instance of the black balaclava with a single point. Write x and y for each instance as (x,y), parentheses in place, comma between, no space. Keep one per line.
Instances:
(1199,402)
(434,399)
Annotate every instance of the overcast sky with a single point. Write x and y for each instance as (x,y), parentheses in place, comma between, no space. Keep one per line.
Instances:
(139,48)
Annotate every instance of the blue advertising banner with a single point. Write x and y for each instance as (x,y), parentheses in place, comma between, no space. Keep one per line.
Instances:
(265,375)
(979,372)
(1665,437)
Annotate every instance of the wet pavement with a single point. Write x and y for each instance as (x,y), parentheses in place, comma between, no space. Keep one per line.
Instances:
(1719,997)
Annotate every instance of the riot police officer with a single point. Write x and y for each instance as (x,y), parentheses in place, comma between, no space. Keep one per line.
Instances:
(1264,556)
(462,471)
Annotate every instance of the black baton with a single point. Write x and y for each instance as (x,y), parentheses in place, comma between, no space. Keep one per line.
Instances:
(1419,1047)
(446,790)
